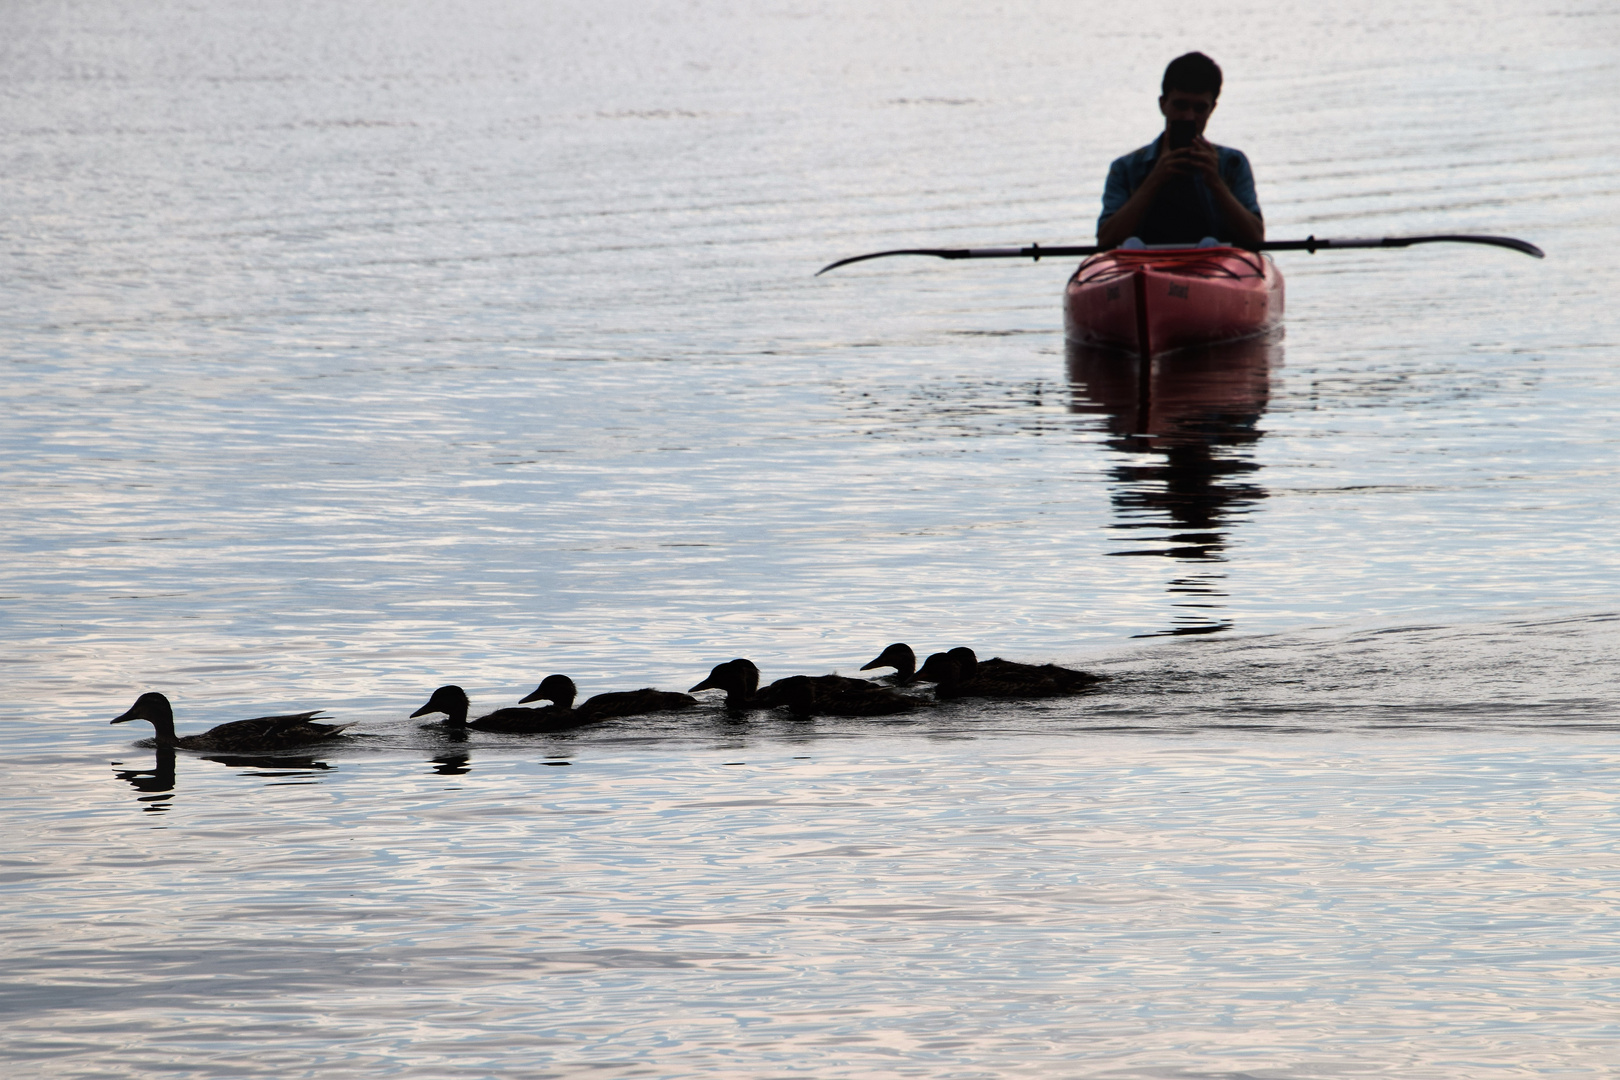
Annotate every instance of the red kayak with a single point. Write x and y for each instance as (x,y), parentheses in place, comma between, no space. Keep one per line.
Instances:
(1152,300)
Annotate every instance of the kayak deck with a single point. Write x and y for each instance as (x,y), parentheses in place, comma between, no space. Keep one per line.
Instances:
(1157,299)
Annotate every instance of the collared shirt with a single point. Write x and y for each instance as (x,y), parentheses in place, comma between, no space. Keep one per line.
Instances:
(1127,173)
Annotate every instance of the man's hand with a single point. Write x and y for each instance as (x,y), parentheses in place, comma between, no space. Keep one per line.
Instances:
(1198,158)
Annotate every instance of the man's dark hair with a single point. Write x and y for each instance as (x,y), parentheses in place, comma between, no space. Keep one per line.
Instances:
(1193,73)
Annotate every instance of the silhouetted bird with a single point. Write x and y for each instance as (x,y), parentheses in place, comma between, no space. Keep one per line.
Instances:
(560,689)
(740,680)
(452,701)
(900,657)
(959,673)
(260,733)
(818,695)
(1066,680)
(803,695)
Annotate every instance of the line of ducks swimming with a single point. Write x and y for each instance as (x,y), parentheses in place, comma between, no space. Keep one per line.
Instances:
(958,673)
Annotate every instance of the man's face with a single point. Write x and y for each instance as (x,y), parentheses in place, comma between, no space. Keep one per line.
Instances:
(1186,105)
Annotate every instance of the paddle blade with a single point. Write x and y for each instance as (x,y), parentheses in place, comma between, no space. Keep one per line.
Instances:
(1313,245)
(1512,243)
(1033,251)
(938,253)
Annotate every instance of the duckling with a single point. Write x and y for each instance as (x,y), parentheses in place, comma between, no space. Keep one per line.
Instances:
(814,695)
(1067,680)
(739,678)
(803,695)
(452,701)
(959,673)
(946,673)
(560,689)
(900,657)
(260,733)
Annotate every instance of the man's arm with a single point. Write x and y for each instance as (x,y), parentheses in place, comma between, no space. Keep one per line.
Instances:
(1248,228)
(1114,229)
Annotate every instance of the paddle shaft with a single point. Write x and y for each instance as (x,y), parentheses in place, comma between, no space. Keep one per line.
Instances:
(1310,244)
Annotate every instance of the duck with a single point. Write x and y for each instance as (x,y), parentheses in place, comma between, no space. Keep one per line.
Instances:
(803,695)
(452,701)
(561,691)
(1066,680)
(946,672)
(960,673)
(259,733)
(739,678)
(900,657)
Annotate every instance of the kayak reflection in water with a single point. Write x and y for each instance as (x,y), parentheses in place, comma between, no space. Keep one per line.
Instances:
(1198,416)
(1181,188)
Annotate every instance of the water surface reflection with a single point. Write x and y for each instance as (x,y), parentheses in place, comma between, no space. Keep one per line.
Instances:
(1185,429)
(156,784)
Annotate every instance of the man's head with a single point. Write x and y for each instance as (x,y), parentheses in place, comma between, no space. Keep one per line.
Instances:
(1191,84)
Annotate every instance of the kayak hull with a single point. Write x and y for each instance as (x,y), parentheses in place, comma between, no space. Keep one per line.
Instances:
(1157,300)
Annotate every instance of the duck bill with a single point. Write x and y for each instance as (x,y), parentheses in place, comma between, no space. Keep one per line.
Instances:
(536,696)
(424,710)
(125,718)
(706,684)
(879,662)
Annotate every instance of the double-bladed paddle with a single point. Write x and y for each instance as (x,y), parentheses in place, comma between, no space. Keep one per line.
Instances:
(1310,244)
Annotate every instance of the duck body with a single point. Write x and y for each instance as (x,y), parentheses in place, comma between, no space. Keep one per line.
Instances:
(259,733)
(834,695)
(452,701)
(518,721)
(803,695)
(1063,680)
(959,673)
(560,690)
(635,703)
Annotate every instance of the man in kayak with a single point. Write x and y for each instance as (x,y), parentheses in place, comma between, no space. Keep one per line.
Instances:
(1181,188)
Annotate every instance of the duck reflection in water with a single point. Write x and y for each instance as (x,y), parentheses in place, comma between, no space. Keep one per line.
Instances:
(279,769)
(1187,432)
(451,764)
(155,784)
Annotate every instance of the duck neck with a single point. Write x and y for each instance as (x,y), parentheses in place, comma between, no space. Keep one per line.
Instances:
(455,713)
(947,679)
(164,723)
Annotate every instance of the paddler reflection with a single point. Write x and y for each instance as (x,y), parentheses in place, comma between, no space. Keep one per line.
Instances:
(1186,434)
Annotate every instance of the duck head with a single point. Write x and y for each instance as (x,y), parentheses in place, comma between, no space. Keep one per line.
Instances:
(944,671)
(450,700)
(967,661)
(939,668)
(739,678)
(898,656)
(557,689)
(153,707)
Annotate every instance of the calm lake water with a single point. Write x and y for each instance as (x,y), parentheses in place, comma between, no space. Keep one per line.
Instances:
(354,349)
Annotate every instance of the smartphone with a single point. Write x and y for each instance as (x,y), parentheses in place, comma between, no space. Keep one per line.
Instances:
(1182,133)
